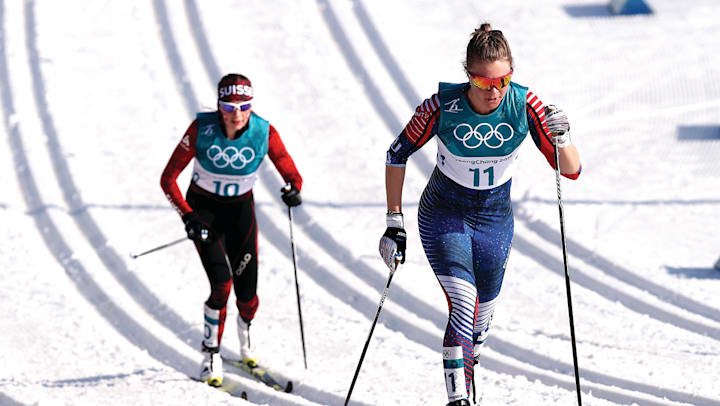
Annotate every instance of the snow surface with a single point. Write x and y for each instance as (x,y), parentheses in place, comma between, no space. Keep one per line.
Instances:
(95,96)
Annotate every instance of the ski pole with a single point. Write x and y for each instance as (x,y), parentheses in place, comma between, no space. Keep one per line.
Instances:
(297,286)
(367,342)
(158,248)
(567,274)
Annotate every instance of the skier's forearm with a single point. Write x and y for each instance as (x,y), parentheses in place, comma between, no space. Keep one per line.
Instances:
(569,160)
(394,178)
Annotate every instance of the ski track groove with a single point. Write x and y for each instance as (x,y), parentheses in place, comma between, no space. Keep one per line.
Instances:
(53,238)
(8,401)
(499,345)
(386,57)
(610,268)
(354,63)
(202,45)
(77,208)
(610,293)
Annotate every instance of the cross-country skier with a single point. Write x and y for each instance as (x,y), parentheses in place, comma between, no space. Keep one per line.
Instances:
(465,215)
(218,210)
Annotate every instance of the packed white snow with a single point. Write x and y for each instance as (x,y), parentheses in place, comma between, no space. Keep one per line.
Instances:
(95,96)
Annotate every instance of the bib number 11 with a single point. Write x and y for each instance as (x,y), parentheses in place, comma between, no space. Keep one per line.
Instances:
(476,176)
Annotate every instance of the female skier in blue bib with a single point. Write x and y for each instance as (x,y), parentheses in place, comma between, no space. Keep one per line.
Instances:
(465,214)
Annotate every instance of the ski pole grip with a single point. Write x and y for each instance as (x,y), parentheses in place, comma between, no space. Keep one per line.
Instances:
(548,110)
(287,187)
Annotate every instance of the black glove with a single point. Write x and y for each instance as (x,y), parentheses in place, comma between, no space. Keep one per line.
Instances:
(393,242)
(392,245)
(291,196)
(197,229)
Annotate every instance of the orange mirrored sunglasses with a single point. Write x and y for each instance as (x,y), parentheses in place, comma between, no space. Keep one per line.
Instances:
(488,83)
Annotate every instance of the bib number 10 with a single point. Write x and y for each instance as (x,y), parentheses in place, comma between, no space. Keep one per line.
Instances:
(228,190)
(476,176)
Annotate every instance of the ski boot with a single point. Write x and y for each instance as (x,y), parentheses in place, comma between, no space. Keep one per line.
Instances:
(460,402)
(246,355)
(211,370)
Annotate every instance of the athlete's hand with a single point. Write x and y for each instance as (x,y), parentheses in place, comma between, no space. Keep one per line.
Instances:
(393,242)
(558,124)
(291,195)
(196,228)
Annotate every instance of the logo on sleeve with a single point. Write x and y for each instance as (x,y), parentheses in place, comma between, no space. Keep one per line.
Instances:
(396,145)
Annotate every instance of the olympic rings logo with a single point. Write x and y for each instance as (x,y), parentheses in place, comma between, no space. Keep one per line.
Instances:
(483,135)
(230,156)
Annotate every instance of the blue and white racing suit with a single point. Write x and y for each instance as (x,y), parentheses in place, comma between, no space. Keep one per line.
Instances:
(465,215)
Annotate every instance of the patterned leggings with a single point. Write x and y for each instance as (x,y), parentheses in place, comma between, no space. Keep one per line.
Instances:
(467,248)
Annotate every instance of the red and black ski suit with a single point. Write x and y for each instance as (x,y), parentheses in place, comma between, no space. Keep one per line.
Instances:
(232,221)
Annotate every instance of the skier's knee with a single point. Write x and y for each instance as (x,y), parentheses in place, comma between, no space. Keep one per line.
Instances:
(219,293)
(247,309)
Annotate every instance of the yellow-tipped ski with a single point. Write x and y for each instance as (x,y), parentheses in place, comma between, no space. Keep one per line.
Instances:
(215,381)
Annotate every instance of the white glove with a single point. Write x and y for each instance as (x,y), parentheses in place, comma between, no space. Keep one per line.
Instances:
(559,126)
